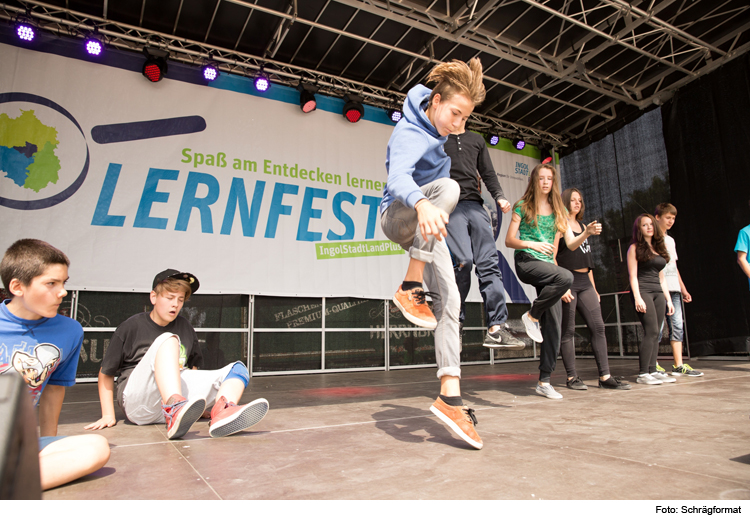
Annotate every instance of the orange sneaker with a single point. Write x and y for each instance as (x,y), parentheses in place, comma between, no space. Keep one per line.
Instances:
(414,307)
(460,419)
(181,414)
(228,418)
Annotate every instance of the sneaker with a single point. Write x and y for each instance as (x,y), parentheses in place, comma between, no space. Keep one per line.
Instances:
(648,379)
(532,328)
(685,369)
(228,418)
(181,415)
(613,382)
(663,377)
(501,338)
(659,368)
(414,307)
(576,384)
(460,419)
(548,391)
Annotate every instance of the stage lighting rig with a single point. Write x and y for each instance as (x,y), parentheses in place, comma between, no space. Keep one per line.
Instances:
(155,65)
(395,115)
(262,82)
(210,70)
(353,110)
(545,154)
(25,29)
(518,143)
(94,44)
(492,138)
(307,102)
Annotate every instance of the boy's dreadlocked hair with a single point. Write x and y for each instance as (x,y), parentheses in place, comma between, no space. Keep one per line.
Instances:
(458,77)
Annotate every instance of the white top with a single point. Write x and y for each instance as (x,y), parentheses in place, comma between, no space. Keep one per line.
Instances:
(670,271)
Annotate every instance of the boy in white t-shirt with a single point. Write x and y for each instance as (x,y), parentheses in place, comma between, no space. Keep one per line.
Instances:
(665,215)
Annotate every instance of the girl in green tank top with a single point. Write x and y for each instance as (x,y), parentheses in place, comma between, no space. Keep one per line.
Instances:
(539,220)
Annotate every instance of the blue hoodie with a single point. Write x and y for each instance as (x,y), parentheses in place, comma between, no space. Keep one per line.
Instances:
(415,153)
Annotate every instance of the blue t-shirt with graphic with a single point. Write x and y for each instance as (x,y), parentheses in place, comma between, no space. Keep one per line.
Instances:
(42,351)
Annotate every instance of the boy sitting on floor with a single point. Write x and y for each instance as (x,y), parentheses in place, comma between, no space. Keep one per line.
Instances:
(155,356)
(43,347)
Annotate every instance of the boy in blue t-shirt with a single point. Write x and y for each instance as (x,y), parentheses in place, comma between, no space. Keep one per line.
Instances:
(43,347)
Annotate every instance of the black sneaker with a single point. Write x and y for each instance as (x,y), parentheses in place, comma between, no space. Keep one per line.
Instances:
(614,383)
(501,338)
(576,384)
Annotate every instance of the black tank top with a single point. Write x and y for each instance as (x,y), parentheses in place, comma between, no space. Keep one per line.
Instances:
(574,260)
(648,273)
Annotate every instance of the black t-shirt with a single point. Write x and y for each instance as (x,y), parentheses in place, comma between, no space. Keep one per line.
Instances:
(468,153)
(134,337)
(574,260)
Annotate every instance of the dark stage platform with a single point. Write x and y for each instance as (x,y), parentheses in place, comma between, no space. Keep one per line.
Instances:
(370,435)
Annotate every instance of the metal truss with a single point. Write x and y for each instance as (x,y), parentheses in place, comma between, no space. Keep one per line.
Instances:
(555,70)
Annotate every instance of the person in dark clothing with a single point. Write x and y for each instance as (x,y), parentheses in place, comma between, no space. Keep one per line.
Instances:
(470,237)
(647,257)
(583,298)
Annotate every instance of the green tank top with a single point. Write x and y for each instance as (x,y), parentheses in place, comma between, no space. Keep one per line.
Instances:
(544,231)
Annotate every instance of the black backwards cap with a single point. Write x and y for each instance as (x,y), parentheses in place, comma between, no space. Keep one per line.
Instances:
(191,279)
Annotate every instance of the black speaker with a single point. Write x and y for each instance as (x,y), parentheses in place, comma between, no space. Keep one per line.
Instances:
(19,443)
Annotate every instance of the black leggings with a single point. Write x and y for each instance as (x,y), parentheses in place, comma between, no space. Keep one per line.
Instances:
(587,304)
(551,283)
(656,308)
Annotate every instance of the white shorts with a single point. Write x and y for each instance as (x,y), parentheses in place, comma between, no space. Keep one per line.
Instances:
(142,400)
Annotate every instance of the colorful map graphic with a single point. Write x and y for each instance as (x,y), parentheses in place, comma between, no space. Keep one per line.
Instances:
(27,151)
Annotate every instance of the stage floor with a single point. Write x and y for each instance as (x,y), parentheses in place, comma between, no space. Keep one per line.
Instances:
(370,435)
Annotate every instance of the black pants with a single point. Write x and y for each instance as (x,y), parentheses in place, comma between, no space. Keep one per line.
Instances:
(551,283)
(587,304)
(656,307)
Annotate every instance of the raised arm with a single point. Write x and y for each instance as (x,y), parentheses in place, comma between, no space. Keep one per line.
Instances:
(572,241)
(106,399)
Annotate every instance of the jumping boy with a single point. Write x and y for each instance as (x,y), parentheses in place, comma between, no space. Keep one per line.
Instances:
(470,234)
(156,355)
(417,201)
(43,347)
(665,215)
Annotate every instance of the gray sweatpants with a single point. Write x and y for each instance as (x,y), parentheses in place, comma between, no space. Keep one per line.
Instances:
(400,224)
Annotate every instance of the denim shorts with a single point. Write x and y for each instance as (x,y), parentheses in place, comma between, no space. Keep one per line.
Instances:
(44,441)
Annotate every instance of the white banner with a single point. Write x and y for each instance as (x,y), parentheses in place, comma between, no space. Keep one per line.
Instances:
(248,193)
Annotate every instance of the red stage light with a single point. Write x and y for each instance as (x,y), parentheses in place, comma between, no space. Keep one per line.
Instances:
(353,110)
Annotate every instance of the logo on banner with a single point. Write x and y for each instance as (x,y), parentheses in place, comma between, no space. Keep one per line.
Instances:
(44,157)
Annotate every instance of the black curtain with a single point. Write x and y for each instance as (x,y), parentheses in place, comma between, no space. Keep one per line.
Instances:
(707,136)
(621,176)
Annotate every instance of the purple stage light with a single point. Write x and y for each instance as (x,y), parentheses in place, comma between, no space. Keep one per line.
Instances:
(94,46)
(494,139)
(262,83)
(25,31)
(395,115)
(210,72)
(519,144)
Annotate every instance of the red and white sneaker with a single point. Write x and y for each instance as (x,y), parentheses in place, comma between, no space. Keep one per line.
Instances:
(228,418)
(181,414)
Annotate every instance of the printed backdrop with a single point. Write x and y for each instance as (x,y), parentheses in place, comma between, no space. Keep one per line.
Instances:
(250,194)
